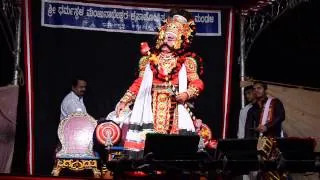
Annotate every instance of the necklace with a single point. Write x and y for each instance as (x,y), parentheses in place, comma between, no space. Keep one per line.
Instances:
(166,63)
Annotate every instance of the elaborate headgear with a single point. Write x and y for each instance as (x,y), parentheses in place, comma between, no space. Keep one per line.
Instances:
(179,26)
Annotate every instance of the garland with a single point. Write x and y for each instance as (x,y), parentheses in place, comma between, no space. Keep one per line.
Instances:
(154,64)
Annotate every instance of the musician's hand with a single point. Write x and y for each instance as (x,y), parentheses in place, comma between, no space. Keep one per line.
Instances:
(120,108)
(261,128)
(182,97)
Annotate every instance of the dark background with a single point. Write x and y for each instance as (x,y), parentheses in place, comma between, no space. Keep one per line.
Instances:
(288,50)
(109,62)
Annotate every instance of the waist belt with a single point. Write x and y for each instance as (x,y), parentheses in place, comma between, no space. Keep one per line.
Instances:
(163,87)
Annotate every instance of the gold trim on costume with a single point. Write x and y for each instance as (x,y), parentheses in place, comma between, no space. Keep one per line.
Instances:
(165,88)
(142,65)
(192,92)
(193,76)
(76,165)
(128,97)
(177,27)
(167,62)
(191,66)
(161,110)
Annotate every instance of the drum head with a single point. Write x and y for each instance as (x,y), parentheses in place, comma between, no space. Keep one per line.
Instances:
(107,130)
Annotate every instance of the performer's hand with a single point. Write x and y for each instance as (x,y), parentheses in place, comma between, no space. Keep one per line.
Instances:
(120,108)
(197,123)
(261,128)
(182,97)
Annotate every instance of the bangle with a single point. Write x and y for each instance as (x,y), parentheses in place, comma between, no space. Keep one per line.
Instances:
(192,92)
(128,97)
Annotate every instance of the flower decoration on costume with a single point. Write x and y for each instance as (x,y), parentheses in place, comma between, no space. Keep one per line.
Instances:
(154,59)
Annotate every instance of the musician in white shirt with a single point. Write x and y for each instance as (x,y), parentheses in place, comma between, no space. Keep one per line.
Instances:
(250,98)
(73,102)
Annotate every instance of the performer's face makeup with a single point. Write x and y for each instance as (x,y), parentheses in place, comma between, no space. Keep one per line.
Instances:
(80,88)
(259,91)
(169,41)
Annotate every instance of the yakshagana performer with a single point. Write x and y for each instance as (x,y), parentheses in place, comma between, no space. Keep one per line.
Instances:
(167,67)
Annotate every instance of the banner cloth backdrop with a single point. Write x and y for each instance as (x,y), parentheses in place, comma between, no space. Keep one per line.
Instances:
(139,20)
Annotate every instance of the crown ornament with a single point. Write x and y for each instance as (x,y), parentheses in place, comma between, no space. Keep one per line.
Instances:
(180,27)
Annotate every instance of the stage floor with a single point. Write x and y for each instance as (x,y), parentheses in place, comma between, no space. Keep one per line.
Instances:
(2,177)
(6,176)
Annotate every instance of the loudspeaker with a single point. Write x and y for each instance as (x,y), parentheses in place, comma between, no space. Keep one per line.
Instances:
(239,156)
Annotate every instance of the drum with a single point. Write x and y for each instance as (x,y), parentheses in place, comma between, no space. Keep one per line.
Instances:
(108,133)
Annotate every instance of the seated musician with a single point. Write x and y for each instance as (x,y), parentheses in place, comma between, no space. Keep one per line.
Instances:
(73,102)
